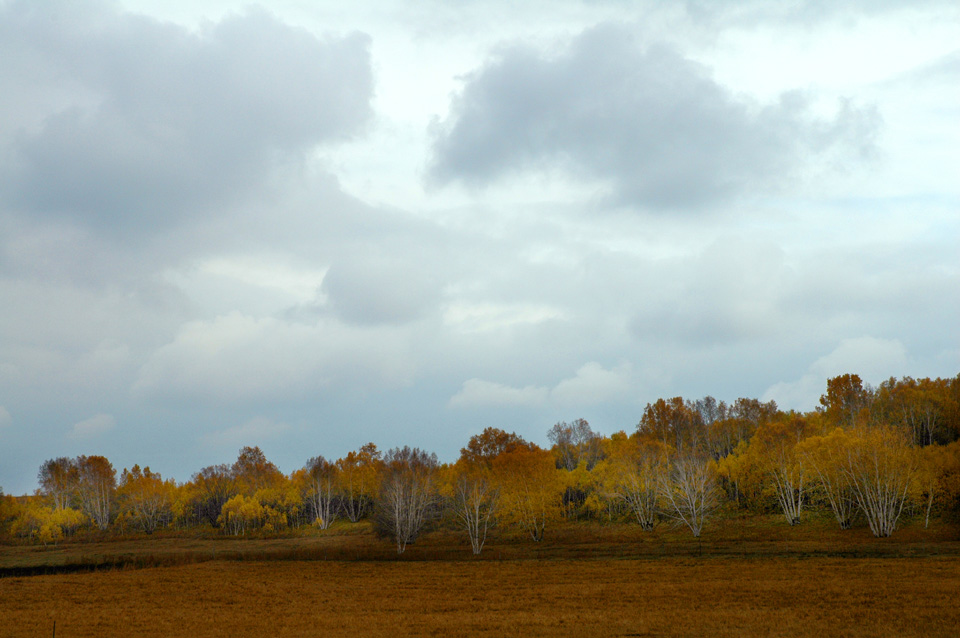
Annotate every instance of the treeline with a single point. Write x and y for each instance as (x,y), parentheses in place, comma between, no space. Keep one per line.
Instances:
(865,454)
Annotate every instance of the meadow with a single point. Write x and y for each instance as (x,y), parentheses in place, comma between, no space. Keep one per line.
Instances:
(633,597)
(748,576)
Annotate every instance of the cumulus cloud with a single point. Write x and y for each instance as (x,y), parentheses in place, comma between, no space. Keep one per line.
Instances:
(92,427)
(143,122)
(592,384)
(477,392)
(252,432)
(872,358)
(647,121)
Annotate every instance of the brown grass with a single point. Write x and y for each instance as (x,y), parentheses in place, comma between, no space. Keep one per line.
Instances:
(731,537)
(666,597)
(750,575)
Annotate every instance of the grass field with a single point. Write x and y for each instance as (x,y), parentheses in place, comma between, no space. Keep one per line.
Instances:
(666,597)
(750,576)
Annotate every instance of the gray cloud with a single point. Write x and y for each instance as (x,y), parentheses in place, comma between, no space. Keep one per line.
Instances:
(650,123)
(144,122)
(376,288)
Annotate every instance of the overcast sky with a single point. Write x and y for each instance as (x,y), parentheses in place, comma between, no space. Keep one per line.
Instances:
(316,224)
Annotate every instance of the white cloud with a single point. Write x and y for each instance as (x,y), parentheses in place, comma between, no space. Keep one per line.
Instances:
(594,384)
(486,317)
(591,385)
(5,419)
(252,432)
(477,392)
(92,427)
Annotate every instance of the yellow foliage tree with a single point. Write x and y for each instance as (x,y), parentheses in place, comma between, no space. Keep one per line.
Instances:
(47,524)
(881,465)
(770,463)
(827,455)
(531,488)
(145,498)
(632,472)
(939,465)
(360,476)
(474,497)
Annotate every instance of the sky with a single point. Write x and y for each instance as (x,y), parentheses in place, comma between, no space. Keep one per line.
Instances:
(310,225)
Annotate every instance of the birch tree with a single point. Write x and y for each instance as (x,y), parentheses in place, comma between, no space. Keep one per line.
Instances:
(58,481)
(689,491)
(632,472)
(881,466)
(937,463)
(826,456)
(96,483)
(475,499)
(146,498)
(774,449)
(360,475)
(320,480)
(407,494)
(531,488)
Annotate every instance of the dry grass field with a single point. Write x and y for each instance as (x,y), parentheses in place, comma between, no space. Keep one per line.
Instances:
(653,597)
(749,577)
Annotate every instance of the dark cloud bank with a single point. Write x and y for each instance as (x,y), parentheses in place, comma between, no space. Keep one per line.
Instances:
(147,121)
(651,123)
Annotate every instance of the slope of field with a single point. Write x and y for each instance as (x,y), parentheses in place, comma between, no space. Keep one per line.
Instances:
(651,597)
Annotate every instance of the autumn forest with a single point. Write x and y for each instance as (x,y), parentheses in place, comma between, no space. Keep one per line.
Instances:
(868,456)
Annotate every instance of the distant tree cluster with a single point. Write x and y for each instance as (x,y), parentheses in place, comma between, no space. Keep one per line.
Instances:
(864,454)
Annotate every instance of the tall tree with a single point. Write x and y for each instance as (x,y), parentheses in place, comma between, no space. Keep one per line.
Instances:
(826,455)
(845,400)
(360,476)
(96,484)
(632,472)
(252,471)
(772,462)
(212,487)
(486,446)
(474,498)
(531,488)
(320,481)
(58,480)
(407,494)
(881,466)
(574,443)
(675,423)
(689,491)
(146,498)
